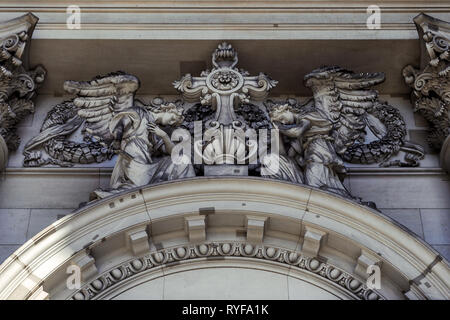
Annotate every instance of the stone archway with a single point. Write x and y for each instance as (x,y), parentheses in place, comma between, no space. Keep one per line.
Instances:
(191,233)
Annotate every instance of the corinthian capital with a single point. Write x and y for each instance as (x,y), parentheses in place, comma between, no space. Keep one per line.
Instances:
(431,82)
(18,83)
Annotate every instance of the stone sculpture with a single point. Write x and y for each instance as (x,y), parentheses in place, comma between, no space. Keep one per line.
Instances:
(311,145)
(431,83)
(225,89)
(141,139)
(330,128)
(314,139)
(114,123)
(18,83)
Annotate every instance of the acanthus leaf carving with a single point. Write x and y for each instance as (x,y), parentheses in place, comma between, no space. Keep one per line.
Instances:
(18,84)
(431,83)
(314,138)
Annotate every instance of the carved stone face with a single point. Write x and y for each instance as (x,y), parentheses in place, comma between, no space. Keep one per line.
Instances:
(168,118)
(285,117)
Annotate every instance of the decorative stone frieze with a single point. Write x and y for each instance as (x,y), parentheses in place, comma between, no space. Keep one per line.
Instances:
(230,128)
(227,250)
(18,83)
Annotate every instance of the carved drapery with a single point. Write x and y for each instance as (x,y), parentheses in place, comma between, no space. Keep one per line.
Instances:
(18,84)
(431,83)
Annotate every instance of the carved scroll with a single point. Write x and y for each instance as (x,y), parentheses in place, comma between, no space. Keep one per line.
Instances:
(18,84)
(431,83)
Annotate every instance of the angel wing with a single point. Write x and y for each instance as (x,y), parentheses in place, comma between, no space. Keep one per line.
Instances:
(346,98)
(101,98)
(349,102)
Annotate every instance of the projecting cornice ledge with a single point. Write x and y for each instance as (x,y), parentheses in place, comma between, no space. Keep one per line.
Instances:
(206,223)
(200,20)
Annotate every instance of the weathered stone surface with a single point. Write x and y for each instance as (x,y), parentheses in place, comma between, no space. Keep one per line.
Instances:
(14,225)
(410,218)
(6,251)
(436,225)
(42,218)
(444,250)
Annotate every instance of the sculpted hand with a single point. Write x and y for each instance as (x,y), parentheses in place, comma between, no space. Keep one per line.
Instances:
(153,128)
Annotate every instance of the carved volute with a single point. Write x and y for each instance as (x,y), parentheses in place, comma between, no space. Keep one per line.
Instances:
(18,83)
(431,83)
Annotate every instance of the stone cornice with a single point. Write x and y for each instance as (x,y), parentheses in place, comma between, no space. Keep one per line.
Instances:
(229,4)
(210,19)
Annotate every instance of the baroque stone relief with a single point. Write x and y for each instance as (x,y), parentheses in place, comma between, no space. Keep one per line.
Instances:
(227,127)
(113,123)
(18,83)
(431,83)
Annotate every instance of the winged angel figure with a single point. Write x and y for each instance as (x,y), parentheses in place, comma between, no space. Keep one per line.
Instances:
(331,127)
(111,115)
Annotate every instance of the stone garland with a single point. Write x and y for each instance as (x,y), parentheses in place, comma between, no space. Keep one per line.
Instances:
(64,152)
(380,150)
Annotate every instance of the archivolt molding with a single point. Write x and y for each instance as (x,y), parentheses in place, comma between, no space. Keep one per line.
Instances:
(166,257)
(234,219)
(200,266)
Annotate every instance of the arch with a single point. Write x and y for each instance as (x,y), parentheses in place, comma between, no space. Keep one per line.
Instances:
(214,223)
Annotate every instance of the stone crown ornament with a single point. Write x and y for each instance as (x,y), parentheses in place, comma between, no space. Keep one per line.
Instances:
(224,87)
